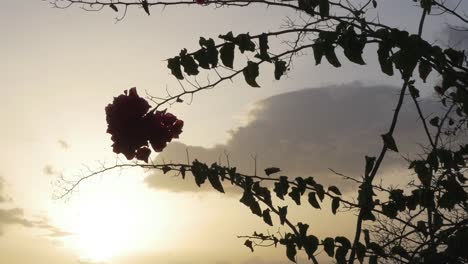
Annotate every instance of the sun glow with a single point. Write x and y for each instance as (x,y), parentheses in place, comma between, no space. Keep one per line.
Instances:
(115,217)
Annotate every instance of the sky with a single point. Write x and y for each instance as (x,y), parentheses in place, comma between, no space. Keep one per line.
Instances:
(60,68)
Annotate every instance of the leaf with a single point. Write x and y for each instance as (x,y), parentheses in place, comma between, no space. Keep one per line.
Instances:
(251,73)
(457,57)
(413,91)
(189,64)
(369,165)
(302,229)
(207,56)
(329,246)
(434,121)
(291,251)
(249,244)
(272,170)
(343,241)
(267,217)
(199,171)
(389,142)
(227,54)
(280,69)
(114,7)
(244,42)
(320,191)
(386,64)
(174,65)
(399,250)
(331,56)
(213,178)
(335,204)
(373,259)
(360,251)
(425,69)
(263,41)
(353,46)
(248,199)
(313,200)
(295,194)
(282,212)
(310,244)
(318,52)
(144,3)
(324,8)
(366,236)
(334,190)
(166,169)
(376,248)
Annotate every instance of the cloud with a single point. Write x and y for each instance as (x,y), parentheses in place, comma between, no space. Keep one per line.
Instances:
(307,132)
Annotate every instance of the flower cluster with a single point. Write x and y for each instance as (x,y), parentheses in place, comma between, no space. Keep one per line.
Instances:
(132,126)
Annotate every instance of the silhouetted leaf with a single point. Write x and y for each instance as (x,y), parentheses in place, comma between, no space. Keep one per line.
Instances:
(248,199)
(282,212)
(335,204)
(334,190)
(399,250)
(366,236)
(207,56)
(376,248)
(174,65)
(425,69)
(199,171)
(373,259)
(251,73)
(189,64)
(267,217)
(413,91)
(360,251)
(291,251)
(213,178)
(353,46)
(313,200)
(386,64)
(343,241)
(320,191)
(329,246)
(269,171)
(227,54)
(324,8)
(182,172)
(166,169)
(244,43)
(389,142)
(434,121)
(280,69)
(144,3)
(310,244)
(308,6)
(114,7)
(263,41)
(331,56)
(457,57)
(295,194)
(249,244)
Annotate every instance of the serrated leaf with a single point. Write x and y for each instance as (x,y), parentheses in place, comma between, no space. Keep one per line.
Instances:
(331,56)
(272,170)
(335,204)
(267,217)
(329,246)
(334,190)
(389,142)
(244,42)
(215,181)
(313,200)
(251,73)
(227,54)
(263,43)
(189,64)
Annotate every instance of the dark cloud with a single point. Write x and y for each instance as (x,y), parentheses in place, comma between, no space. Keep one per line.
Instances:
(307,132)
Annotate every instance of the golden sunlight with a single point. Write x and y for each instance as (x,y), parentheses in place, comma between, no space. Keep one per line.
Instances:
(116,216)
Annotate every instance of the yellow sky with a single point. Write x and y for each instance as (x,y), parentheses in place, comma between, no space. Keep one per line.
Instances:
(58,69)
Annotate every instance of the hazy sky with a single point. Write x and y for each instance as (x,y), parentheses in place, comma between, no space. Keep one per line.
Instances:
(60,68)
